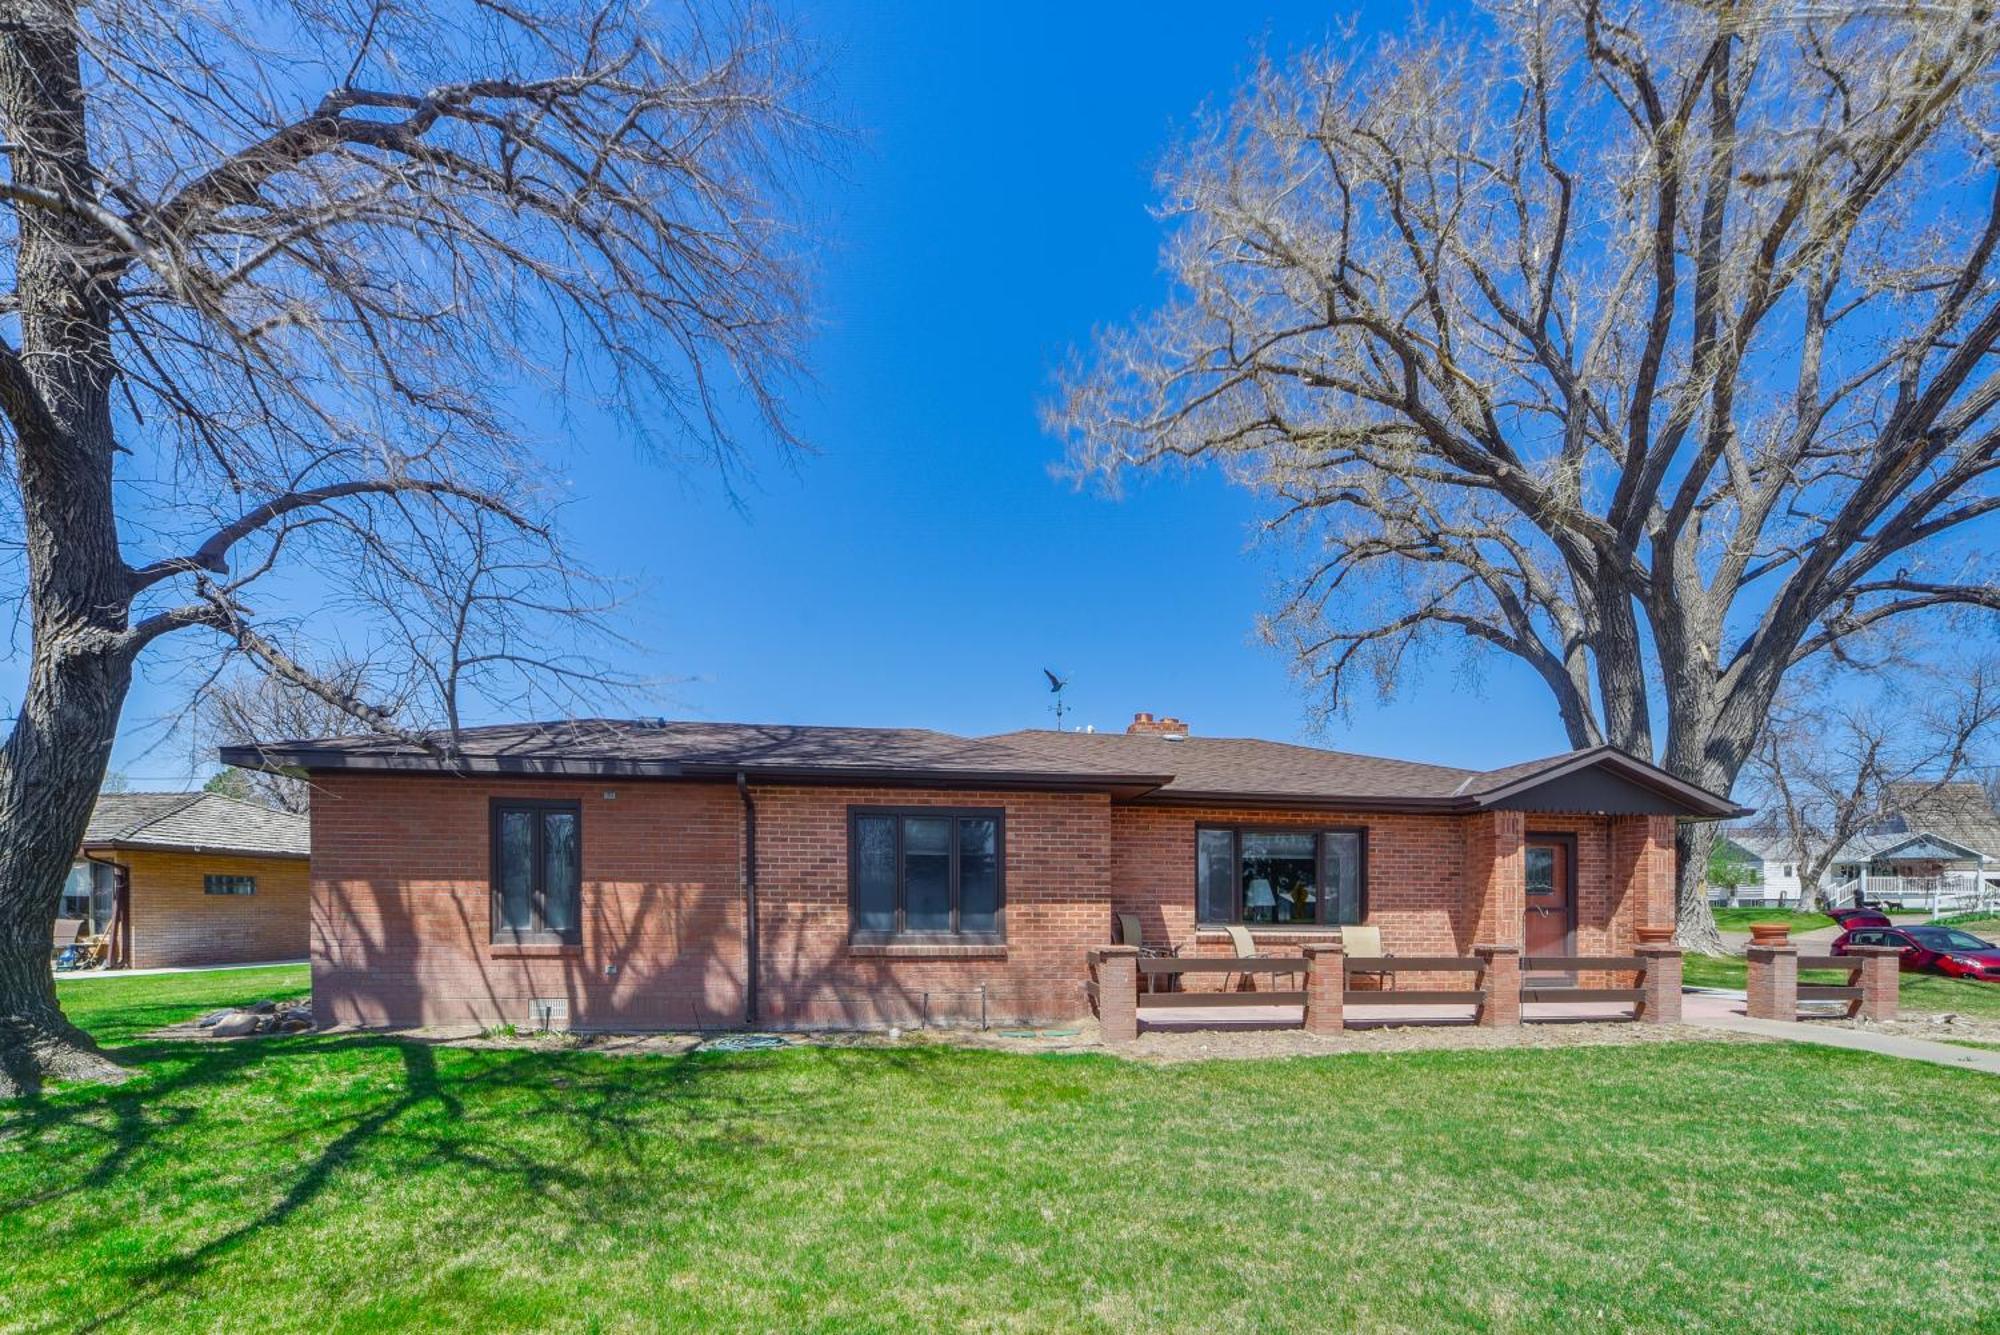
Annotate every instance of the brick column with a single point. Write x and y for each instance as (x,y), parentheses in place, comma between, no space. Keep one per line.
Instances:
(1118,992)
(1326,987)
(1502,1007)
(1495,875)
(1661,1003)
(1642,872)
(1881,976)
(1774,975)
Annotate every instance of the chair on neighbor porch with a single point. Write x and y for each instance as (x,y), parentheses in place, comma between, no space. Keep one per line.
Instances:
(1246,949)
(1366,941)
(1129,933)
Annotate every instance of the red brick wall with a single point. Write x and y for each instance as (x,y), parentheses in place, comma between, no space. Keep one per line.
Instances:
(401,917)
(402,920)
(1437,885)
(1058,906)
(176,922)
(1415,870)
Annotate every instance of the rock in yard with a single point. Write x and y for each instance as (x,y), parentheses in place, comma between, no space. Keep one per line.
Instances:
(235,1024)
(262,1008)
(213,1018)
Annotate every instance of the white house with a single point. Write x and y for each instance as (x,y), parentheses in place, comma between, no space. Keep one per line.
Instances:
(1772,864)
(1940,851)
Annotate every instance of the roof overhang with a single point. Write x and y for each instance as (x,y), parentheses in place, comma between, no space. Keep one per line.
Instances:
(1691,801)
(209,850)
(306,761)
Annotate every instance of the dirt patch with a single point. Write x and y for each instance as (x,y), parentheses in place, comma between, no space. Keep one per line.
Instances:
(1084,1036)
(1937,1028)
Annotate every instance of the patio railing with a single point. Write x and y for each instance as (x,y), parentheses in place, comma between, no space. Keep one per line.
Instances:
(1496,996)
(1871,991)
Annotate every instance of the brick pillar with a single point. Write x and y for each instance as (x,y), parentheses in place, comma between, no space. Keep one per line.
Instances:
(1661,1003)
(1118,992)
(1495,872)
(1881,976)
(1502,1007)
(1774,978)
(1642,873)
(1326,987)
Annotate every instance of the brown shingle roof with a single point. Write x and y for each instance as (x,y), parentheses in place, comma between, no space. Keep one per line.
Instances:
(198,822)
(1156,768)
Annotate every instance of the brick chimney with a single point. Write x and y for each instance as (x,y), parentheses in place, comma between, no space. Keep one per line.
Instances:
(1145,725)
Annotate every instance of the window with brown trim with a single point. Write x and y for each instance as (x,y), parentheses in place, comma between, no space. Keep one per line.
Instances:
(927,874)
(537,872)
(1296,877)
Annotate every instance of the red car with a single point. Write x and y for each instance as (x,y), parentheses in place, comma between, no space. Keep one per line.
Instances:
(1944,950)
(1851,918)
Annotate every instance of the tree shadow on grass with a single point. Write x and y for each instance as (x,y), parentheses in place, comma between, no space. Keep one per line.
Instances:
(623,1131)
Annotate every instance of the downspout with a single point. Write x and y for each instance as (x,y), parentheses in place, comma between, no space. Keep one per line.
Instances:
(749,899)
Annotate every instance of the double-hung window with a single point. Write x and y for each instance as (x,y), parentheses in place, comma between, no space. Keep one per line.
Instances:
(537,872)
(935,874)
(1282,878)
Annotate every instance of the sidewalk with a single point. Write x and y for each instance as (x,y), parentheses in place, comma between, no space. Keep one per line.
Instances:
(186,968)
(1715,1009)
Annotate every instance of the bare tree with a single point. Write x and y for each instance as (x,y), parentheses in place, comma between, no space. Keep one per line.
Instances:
(1650,345)
(1825,770)
(286,278)
(247,707)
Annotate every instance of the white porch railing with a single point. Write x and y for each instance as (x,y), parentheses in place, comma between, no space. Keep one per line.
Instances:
(1952,892)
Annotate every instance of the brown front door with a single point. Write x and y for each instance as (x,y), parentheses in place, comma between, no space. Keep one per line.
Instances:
(1550,903)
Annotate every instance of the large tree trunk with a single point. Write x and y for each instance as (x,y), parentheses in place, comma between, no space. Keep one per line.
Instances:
(1694,920)
(58,396)
(49,775)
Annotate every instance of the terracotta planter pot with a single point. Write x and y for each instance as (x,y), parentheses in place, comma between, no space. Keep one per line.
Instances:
(1655,936)
(1769,933)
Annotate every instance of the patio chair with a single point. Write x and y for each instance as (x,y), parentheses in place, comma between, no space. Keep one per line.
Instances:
(1366,941)
(1246,949)
(1129,933)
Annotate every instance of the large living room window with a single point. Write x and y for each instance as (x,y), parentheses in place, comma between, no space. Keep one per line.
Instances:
(927,874)
(537,872)
(1280,878)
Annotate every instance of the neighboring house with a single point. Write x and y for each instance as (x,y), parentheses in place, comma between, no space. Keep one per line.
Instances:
(1771,863)
(609,874)
(1943,840)
(190,878)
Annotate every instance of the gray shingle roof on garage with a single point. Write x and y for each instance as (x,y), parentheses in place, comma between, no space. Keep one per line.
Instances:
(196,822)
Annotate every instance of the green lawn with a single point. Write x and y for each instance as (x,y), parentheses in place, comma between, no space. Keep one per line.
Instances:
(339,1182)
(1739,920)
(1921,993)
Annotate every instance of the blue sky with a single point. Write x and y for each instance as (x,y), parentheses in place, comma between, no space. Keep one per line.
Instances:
(923,566)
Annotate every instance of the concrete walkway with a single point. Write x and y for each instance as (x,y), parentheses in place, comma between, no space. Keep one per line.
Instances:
(1709,1008)
(1856,1040)
(185,968)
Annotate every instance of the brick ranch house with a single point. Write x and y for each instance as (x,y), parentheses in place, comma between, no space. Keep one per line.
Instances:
(630,875)
(189,878)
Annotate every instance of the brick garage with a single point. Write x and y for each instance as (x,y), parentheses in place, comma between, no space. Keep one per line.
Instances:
(597,872)
(191,879)
(175,921)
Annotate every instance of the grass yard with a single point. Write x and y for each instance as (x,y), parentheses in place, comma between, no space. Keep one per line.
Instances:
(348,1183)
(1921,993)
(1739,919)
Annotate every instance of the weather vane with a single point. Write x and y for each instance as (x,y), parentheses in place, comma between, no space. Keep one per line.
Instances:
(1056,685)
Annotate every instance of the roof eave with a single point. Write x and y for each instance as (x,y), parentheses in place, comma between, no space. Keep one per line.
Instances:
(247,757)
(1706,805)
(127,845)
